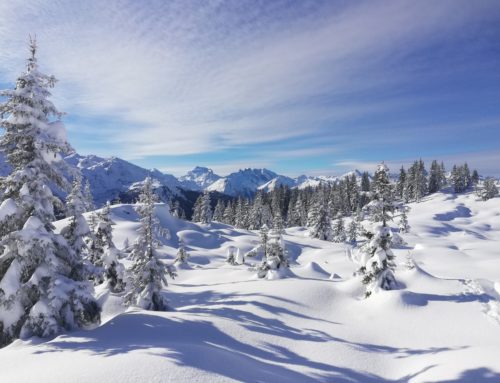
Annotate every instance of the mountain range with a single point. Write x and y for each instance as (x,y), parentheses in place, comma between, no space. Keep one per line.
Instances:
(113,177)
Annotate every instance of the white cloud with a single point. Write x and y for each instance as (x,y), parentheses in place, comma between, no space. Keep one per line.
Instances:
(184,78)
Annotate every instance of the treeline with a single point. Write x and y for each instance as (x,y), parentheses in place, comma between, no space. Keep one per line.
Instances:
(285,207)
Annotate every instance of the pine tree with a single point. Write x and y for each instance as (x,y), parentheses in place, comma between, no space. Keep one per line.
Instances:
(297,215)
(147,273)
(241,214)
(377,261)
(202,209)
(435,178)
(352,232)
(176,210)
(182,255)
(382,205)
(278,223)
(264,236)
(404,226)
(489,190)
(104,255)
(400,186)
(376,257)
(475,177)
(228,214)
(319,223)
(42,281)
(339,234)
(275,256)
(87,195)
(365,182)
(219,211)
(232,254)
(409,262)
(77,230)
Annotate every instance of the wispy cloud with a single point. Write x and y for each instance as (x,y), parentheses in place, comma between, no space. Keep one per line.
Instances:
(187,77)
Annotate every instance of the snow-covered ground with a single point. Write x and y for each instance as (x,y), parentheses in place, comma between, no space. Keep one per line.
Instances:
(226,325)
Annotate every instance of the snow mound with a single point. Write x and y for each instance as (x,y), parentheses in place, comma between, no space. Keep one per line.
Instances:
(312,270)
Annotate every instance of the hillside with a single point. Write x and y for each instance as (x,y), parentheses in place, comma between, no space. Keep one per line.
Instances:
(443,324)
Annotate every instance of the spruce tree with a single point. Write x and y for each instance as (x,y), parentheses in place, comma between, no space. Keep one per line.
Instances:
(182,255)
(147,275)
(339,234)
(77,230)
(319,222)
(87,195)
(435,178)
(382,205)
(375,255)
(275,255)
(104,255)
(377,261)
(352,232)
(43,290)
(203,209)
(489,190)
(400,186)
(219,211)
(404,226)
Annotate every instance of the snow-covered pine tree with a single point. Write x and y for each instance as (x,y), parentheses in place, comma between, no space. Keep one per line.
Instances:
(232,255)
(400,186)
(475,177)
(182,255)
(228,214)
(260,213)
(297,216)
(489,189)
(375,255)
(77,230)
(278,223)
(147,275)
(219,211)
(202,212)
(87,195)
(264,236)
(176,210)
(409,262)
(382,207)
(377,261)
(404,226)
(104,255)
(339,234)
(435,178)
(241,213)
(365,182)
(319,223)
(352,232)
(275,256)
(42,285)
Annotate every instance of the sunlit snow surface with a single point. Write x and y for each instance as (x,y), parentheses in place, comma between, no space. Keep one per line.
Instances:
(227,325)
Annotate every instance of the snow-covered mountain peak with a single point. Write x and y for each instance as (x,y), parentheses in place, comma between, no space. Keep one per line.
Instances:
(199,178)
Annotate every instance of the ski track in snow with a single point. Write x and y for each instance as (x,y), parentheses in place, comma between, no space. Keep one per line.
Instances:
(442,325)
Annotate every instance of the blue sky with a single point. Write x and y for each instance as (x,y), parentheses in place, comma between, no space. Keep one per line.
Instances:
(316,87)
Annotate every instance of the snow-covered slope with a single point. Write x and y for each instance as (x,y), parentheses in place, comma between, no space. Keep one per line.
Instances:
(199,178)
(443,325)
(277,182)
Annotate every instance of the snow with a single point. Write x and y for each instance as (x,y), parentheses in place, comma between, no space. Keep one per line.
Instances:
(7,208)
(199,178)
(227,325)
